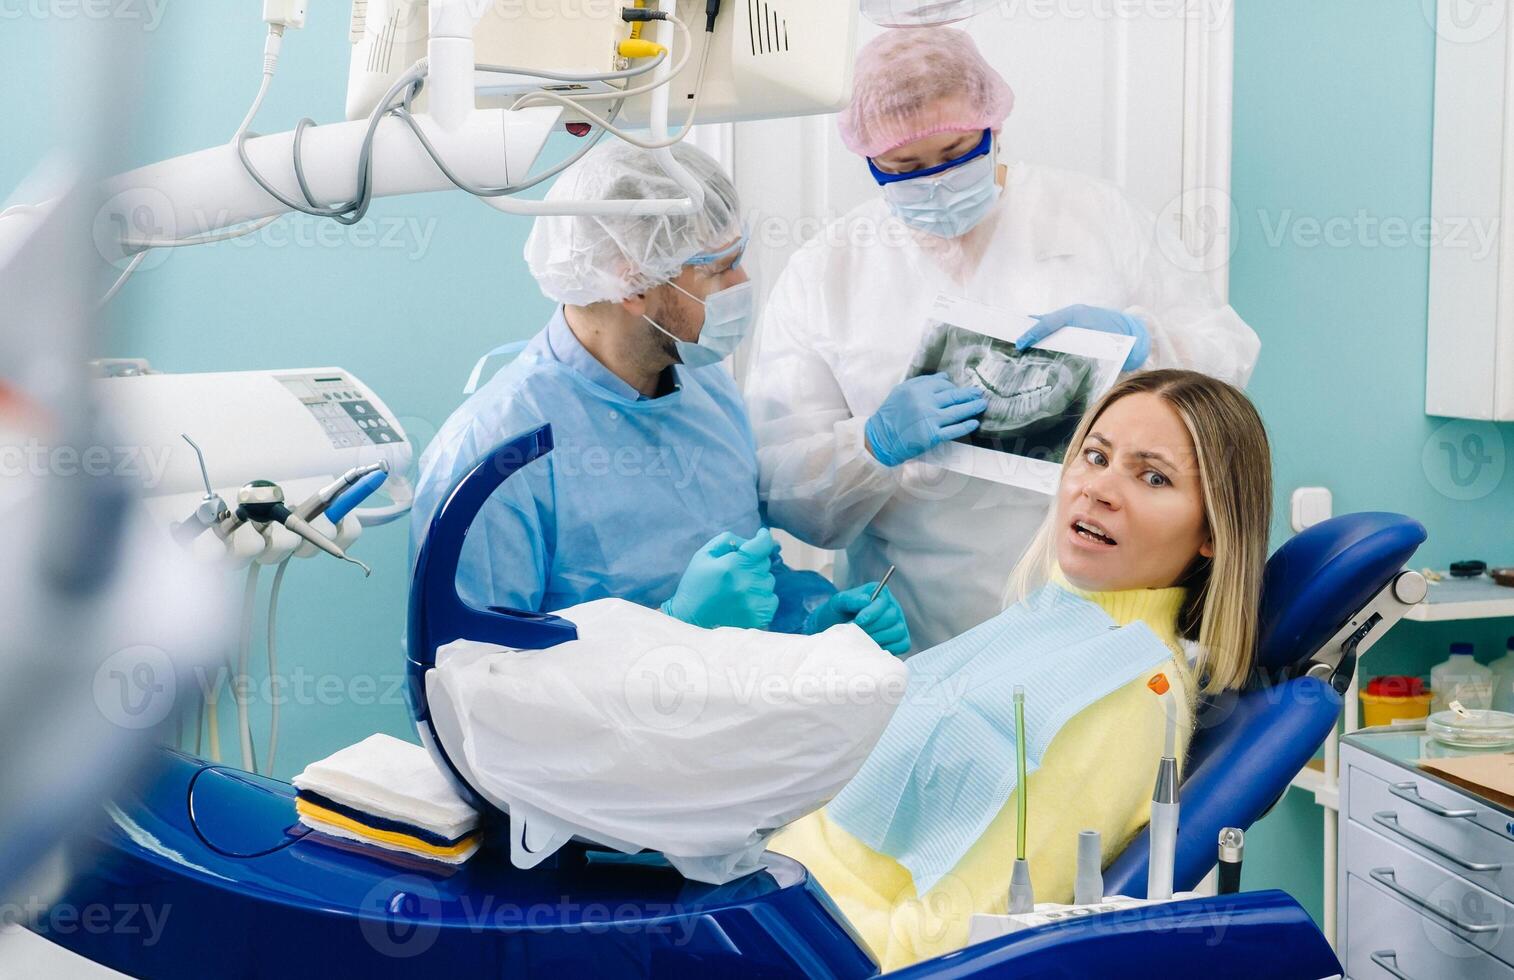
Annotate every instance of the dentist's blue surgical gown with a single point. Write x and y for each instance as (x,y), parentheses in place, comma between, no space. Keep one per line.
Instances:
(633,487)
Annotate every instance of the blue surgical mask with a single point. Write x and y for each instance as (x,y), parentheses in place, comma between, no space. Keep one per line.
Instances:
(727,318)
(948,200)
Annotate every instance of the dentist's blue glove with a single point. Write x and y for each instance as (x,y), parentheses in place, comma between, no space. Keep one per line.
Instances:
(1093,318)
(922,413)
(729,582)
(881,619)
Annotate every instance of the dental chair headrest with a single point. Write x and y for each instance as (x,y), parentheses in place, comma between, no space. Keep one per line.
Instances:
(1338,564)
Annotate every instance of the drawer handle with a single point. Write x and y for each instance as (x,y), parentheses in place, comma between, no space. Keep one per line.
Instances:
(1381,958)
(1410,792)
(1389,819)
(1385,877)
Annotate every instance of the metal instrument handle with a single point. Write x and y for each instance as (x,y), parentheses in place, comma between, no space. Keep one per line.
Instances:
(1385,877)
(1389,819)
(1381,958)
(1410,791)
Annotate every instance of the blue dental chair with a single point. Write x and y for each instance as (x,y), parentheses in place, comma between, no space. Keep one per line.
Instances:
(221,850)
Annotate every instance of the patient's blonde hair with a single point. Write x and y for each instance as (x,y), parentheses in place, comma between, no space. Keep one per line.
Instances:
(1235,469)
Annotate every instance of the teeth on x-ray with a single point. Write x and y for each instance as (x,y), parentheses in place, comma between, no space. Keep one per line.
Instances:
(1024,388)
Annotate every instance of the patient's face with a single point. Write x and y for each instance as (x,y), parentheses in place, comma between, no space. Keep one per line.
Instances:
(1136,481)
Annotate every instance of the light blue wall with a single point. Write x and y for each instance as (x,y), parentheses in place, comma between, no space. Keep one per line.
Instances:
(407,301)
(1333,114)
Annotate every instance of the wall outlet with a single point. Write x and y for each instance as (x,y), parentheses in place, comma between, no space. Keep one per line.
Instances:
(1311,505)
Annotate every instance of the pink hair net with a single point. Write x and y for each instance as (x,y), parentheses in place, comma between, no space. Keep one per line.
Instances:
(912,82)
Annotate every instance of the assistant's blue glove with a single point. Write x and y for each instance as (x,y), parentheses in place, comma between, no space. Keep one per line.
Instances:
(881,619)
(1093,318)
(729,582)
(922,413)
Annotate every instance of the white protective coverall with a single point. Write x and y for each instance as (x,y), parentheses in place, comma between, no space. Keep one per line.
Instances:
(850,310)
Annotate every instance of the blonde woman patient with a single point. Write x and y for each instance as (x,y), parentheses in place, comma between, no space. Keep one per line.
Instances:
(1161,517)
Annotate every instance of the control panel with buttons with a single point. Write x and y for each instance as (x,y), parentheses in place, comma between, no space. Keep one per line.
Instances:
(343,410)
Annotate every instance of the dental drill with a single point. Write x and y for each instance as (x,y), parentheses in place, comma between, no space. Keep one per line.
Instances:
(262,502)
(317,503)
(1164,803)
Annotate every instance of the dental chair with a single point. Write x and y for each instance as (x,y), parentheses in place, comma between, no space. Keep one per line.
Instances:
(222,851)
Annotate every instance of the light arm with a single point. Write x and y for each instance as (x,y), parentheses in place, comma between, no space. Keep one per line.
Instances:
(210,190)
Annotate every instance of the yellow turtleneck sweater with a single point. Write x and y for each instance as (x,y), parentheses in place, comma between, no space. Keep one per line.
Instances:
(1098,774)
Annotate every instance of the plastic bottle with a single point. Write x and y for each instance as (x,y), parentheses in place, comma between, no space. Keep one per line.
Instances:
(1461,678)
(1503,680)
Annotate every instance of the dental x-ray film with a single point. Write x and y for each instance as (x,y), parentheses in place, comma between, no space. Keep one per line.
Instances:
(1035,396)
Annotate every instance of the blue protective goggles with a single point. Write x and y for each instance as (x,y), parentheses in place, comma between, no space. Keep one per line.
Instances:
(883,179)
(710,258)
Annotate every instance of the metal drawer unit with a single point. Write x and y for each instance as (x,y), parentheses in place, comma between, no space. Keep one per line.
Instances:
(1388,940)
(1426,879)
(1482,923)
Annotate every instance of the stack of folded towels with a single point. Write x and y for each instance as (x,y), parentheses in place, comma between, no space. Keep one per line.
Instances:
(390,794)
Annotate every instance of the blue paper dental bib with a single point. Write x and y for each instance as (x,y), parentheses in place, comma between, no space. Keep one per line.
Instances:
(945,765)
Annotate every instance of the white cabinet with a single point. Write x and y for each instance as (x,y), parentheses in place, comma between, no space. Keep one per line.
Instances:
(1470,361)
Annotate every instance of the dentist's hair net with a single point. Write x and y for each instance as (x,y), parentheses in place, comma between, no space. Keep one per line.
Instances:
(913,82)
(593,258)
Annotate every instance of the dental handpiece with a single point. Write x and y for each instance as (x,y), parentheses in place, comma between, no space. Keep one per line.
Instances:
(1231,850)
(1164,804)
(316,504)
(262,502)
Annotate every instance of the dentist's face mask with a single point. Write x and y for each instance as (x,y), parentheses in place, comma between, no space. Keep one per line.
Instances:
(947,200)
(728,315)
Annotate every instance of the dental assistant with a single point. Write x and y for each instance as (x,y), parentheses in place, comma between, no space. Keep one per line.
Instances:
(838,432)
(650,492)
